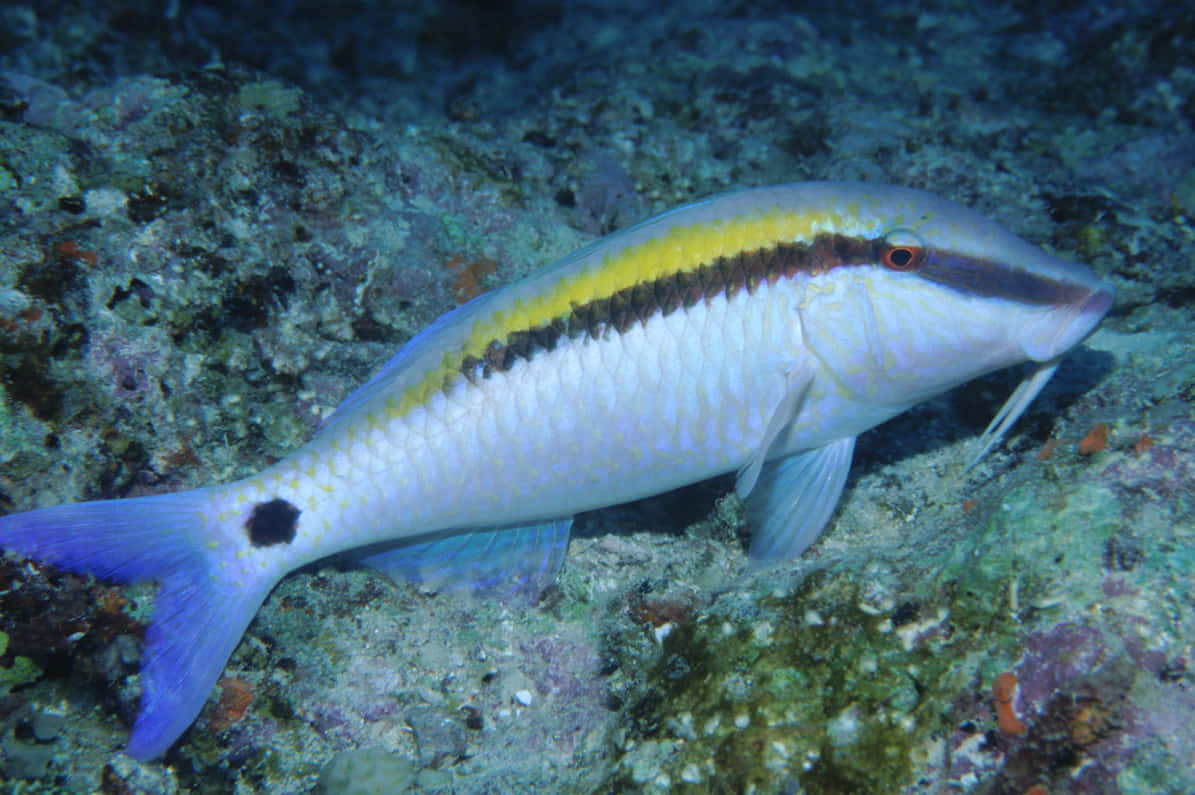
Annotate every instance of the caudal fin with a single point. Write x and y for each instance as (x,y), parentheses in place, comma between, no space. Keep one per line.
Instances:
(199,614)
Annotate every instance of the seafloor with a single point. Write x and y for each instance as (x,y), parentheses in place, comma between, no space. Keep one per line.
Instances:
(217,218)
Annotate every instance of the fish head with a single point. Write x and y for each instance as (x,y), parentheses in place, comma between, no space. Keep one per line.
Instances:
(928,294)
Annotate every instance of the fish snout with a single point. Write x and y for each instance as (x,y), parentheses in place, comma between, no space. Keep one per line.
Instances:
(1059,328)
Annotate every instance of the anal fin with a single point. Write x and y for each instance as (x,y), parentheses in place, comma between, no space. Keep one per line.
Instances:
(794,497)
(508,561)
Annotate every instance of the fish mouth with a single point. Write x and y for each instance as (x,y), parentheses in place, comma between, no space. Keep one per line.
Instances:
(1061,328)
(1098,303)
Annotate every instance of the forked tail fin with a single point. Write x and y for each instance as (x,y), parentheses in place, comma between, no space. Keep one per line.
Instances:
(200,612)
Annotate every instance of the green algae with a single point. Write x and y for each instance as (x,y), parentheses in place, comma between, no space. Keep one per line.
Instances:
(749,706)
(272,97)
(21,672)
(830,688)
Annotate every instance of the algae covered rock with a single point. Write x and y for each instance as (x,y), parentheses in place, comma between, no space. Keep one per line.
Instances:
(988,655)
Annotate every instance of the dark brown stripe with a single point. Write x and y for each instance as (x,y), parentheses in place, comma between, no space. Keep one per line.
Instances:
(618,312)
(991,279)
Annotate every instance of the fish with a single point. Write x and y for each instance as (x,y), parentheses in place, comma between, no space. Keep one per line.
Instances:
(757,332)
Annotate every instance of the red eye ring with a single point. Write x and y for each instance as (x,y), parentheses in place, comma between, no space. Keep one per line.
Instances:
(902,258)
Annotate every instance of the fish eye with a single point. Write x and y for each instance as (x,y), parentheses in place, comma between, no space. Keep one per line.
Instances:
(902,250)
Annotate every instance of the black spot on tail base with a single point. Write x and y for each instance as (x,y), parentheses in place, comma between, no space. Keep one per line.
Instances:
(272,522)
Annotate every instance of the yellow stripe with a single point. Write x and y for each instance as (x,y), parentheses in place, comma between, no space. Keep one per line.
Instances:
(681,248)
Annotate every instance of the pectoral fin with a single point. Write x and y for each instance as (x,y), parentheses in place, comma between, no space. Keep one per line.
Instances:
(794,497)
(786,411)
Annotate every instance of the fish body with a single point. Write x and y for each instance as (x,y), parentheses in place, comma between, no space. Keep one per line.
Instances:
(756,332)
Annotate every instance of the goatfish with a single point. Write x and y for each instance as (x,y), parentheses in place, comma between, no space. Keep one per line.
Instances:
(757,332)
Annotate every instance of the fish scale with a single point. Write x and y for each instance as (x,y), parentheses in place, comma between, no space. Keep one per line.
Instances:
(591,423)
(757,332)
